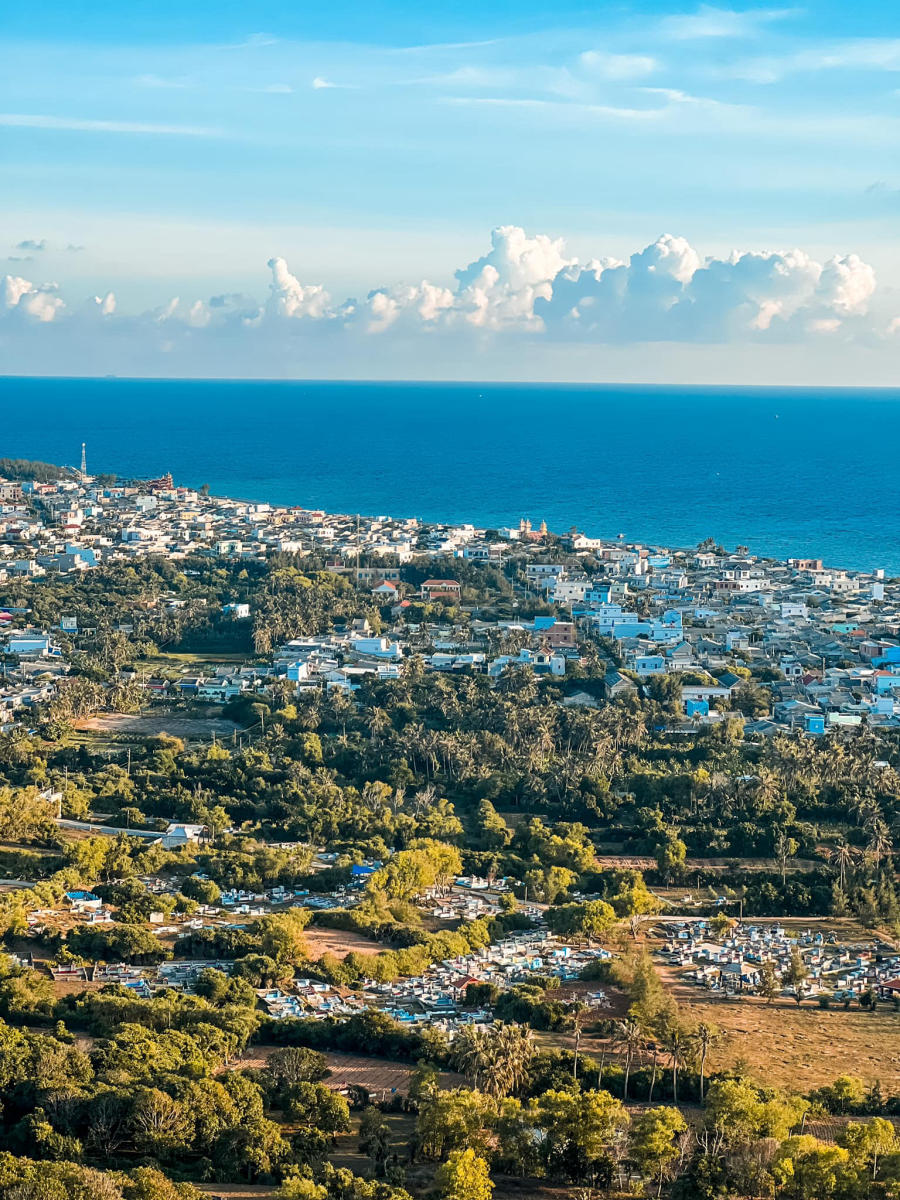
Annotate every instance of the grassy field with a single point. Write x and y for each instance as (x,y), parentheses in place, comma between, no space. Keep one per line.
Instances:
(189,662)
(779,1044)
(791,1047)
(800,1048)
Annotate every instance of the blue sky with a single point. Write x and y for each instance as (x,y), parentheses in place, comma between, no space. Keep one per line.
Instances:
(167,149)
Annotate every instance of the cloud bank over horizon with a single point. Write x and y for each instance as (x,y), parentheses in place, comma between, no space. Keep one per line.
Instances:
(524,290)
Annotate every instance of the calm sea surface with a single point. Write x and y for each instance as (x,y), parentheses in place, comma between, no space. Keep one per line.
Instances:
(785,471)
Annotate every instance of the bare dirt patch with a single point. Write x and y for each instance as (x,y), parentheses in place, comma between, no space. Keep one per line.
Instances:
(74,987)
(337,941)
(175,724)
(374,1074)
(510,1188)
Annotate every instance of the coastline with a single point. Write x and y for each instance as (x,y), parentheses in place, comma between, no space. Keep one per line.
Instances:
(786,471)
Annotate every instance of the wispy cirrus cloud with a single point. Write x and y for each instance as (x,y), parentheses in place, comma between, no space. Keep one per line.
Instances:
(468,76)
(319,84)
(675,96)
(86,125)
(617,67)
(256,41)
(711,22)
(859,54)
(431,47)
(161,83)
(563,108)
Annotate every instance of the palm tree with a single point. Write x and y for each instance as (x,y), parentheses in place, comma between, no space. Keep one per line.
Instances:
(378,722)
(864,805)
(842,858)
(309,713)
(628,1039)
(879,846)
(705,1036)
(468,1052)
(341,706)
(497,1059)
(512,1052)
(581,1017)
(675,1045)
(654,1046)
(785,848)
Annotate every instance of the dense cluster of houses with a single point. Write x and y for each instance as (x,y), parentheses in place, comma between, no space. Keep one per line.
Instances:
(836,970)
(74,522)
(826,642)
(438,996)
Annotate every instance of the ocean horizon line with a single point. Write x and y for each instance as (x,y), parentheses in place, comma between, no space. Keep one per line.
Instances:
(787,471)
(497,384)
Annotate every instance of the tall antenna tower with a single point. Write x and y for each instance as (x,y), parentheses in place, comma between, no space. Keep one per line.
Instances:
(83,462)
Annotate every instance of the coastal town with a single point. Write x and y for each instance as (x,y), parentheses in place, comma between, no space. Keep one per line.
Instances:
(449,601)
(430,815)
(820,645)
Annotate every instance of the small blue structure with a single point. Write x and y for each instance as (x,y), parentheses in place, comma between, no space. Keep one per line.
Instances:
(359,871)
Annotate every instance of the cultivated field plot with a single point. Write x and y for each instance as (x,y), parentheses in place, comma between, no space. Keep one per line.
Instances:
(237,1191)
(375,1074)
(828,1129)
(643,862)
(176,724)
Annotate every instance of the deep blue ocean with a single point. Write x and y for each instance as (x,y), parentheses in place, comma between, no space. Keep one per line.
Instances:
(784,471)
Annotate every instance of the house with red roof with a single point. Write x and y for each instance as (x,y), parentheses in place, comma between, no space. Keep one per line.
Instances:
(440,589)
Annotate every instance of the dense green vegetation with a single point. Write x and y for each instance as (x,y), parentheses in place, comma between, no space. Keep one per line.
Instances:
(23,468)
(431,776)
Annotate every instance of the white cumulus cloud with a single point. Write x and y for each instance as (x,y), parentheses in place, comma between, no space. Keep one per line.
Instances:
(40,302)
(423,304)
(500,288)
(524,288)
(666,292)
(288,297)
